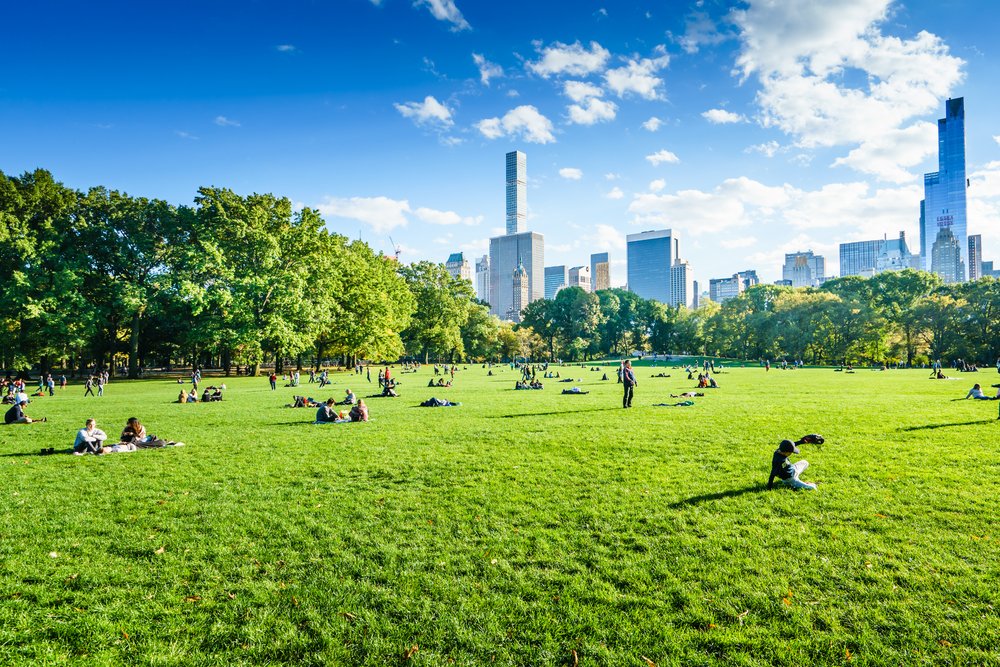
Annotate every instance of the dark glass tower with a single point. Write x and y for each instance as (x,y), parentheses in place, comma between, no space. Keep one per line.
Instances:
(944,206)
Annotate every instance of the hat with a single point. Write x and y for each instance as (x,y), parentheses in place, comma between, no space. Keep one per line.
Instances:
(788,447)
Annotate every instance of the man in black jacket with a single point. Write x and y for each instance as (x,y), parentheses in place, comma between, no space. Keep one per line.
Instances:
(629,382)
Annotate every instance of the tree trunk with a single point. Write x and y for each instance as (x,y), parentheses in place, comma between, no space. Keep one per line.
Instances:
(133,348)
(227,361)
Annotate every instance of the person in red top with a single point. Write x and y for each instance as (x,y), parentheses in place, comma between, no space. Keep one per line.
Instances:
(387,375)
(274,381)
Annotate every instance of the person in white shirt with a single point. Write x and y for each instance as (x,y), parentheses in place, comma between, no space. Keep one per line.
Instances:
(89,439)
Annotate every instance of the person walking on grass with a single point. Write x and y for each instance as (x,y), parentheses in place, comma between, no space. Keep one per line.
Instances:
(273,379)
(629,382)
(89,387)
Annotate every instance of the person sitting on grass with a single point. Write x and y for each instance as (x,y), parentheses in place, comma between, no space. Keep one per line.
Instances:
(182,397)
(89,439)
(359,413)
(977,393)
(349,398)
(193,396)
(389,389)
(574,390)
(326,414)
(206,395)
(134,433)
(15,415)
(786,471)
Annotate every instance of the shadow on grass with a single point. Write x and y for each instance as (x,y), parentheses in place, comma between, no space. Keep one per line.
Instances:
(932,426)
(35,453)
(555,412)
(721,495)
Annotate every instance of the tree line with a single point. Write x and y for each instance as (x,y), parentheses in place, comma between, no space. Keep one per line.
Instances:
(907,317)
(100,278)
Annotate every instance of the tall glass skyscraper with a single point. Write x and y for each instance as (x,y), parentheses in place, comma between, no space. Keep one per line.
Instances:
(858,258)
(943,220)
(600,274)
(556,277)
(650,256)
(517,192)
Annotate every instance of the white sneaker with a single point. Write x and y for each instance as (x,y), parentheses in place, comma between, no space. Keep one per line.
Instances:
(178,444)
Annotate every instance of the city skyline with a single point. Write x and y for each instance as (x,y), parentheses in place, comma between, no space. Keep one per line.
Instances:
(752,129)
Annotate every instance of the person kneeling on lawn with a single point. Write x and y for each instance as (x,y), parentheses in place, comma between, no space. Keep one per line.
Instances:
(785,470)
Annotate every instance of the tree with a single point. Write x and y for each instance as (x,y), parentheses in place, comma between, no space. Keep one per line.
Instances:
(443,304)
(896,294)
(577,314)
(540,316)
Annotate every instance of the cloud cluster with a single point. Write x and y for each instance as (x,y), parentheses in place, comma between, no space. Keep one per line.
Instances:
(807,54)
(429,112)
(487,70)
(652,125)
(572,59)
(383,214)
(445,10)
(722,117)
(660,157)
(523,122)
(638,77)
(571,173)
(588,107)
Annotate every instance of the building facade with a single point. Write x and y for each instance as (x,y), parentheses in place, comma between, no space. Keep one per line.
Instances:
(483,278)
(804,269)
(519,293)
(721,290)
(975,256)
(600,271)
(556,277)
(749,278)
(458,266)
(650,256)
(894,255)
(943,210)
(682,285)
(579,276)
(858,258)
(517,192)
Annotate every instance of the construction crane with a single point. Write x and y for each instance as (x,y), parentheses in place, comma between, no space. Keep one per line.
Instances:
(396,249)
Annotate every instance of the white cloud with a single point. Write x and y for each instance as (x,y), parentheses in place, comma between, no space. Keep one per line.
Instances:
(524,121)
(653,124)
(578,91)
(285,48)
(699,30)
(830,77)
(428,112)
(721,116)
(487,70)
(573,59)
(658,158)
(380,213)
(638,77)
(996,138)
(657,185)
(887,156)
(222,121)
(616,193)
(605,237)
(769,148)
(183,134)
(445,10)
(611,176)
(592,111)
(571,173)
(742,242)
(435,217)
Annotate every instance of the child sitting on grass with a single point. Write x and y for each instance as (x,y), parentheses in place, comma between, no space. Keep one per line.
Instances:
(785,470)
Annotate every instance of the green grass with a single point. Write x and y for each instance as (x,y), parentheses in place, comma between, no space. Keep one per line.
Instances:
(516,529)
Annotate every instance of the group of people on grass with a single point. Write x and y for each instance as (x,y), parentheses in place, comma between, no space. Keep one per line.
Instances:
(92,440)
(327,412)
(210,395)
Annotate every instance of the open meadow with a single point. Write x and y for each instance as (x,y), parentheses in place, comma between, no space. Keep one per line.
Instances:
(521,528)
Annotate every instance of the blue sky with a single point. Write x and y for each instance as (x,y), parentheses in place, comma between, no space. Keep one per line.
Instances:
(752,128)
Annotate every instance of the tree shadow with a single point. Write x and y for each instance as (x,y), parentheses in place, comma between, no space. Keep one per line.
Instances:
(36,453)
(555,412)
(933,426)
(721,495)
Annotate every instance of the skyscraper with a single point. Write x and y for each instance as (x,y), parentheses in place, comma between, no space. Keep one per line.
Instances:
(579,276)
(682,285)
(858,258)
(804,269)
(721,290)
(458,266)
(600,271)
(517,192)
(749,278)
(975,257)
(650,256)
(893,255)
(943,210)
(519,293)
(517,246)
(556,277)
(483,278)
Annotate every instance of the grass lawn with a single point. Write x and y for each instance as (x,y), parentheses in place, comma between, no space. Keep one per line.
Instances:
(522,528)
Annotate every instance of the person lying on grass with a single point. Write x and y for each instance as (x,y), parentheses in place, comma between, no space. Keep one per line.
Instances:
(786,471)
(302,402)
(438,403)
(687,394)
(134,433)
(15,415)
(574,390)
